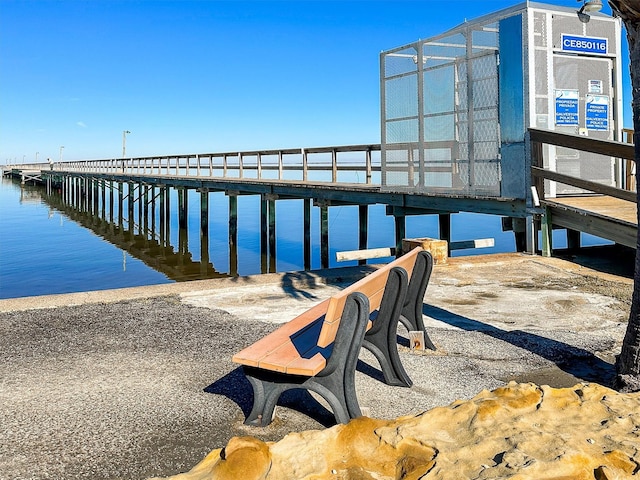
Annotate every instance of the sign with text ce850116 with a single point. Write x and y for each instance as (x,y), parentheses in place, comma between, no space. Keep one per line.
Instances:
(567,107)
(597,112)
(580,44)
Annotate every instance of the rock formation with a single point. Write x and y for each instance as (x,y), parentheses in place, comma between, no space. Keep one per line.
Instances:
(520,431)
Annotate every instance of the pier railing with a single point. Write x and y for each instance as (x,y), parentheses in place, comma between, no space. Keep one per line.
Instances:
(327,164)
(538,138)
(605,211)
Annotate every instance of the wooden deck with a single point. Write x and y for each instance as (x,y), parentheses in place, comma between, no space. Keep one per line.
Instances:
(606,217)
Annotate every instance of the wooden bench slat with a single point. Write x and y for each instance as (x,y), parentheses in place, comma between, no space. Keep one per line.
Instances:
(372,286)
(307,366)
(287,348)
(278,359)
(252,354)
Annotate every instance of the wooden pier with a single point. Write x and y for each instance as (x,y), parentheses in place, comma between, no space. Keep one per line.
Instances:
(137,189)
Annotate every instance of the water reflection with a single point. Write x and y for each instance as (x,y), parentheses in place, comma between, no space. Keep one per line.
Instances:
(141,241)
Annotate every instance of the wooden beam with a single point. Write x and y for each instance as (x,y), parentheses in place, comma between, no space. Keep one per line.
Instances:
(478,243)
(365,254)
(585,184)
(585,144)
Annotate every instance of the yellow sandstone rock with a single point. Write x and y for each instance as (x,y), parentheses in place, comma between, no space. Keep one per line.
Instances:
(519,432)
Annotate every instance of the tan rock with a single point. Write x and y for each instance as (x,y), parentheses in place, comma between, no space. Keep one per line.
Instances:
(519,432)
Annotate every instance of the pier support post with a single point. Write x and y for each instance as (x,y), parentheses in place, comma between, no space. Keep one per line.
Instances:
(363,220)
(183,227)
(324,236)
(140,214)
(130,200)
(272,234)
(167,215)
(76,192)
(204,232)
(182,207)
(264,234)
(86,195)
(233,234)
(144,224)
(111,201)
(531,234)
(120,202)
(547,233)
(103,198)
(96,196)
(573,239)
(153,210)
(268,233)
(307,233)
(444,225)
(400,221)
(163,217)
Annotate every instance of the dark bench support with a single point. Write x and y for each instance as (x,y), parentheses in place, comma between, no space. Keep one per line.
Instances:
(411,316)
(381,338)
(335,383)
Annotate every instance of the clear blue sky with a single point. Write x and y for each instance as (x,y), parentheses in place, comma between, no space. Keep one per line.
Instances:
(202,76)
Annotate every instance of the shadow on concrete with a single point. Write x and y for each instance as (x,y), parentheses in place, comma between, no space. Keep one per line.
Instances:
(297,284)
(612,259)
(235,386)
(576,361)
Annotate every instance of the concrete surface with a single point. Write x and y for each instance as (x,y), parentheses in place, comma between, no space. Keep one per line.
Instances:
(135,383)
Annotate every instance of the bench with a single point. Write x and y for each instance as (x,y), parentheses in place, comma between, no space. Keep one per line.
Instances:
(318,350)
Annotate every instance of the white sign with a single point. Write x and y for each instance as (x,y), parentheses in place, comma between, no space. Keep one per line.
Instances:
(595,86)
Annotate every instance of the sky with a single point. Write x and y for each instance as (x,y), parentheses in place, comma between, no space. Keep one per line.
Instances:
(203,76)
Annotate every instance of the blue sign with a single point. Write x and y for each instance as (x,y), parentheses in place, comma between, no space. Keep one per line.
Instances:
(574,43)
(597,112)
(567,107)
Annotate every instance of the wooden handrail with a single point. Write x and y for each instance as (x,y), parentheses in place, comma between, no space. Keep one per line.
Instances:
(586,144)
(584,184)
(608,148)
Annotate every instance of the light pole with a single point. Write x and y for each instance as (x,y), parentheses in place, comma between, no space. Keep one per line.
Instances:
(124,142)
(61,148)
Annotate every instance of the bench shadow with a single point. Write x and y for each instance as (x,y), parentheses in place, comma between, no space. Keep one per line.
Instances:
(235,386)
(576,361)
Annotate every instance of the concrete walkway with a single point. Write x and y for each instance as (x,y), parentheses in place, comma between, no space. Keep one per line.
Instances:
(136,383)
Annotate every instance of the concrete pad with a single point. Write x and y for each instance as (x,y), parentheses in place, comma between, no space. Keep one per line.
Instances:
(137,383)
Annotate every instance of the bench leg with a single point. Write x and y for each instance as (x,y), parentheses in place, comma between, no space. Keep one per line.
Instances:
(335,382)
(381,339)
(265,396)
(411,316)
(268,386)
(384,346)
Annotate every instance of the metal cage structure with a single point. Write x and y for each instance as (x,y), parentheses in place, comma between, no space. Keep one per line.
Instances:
(455,108)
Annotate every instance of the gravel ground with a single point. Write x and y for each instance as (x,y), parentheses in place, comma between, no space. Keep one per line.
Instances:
(146,387)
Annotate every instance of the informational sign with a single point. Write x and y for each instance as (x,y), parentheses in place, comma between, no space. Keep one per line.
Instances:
(575,43)
(567,107)
(597,112)
(595,86)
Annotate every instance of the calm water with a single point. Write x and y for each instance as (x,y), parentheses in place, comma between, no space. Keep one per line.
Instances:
(47,248)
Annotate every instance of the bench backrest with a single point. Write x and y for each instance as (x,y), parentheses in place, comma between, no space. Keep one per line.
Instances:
(372,286)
